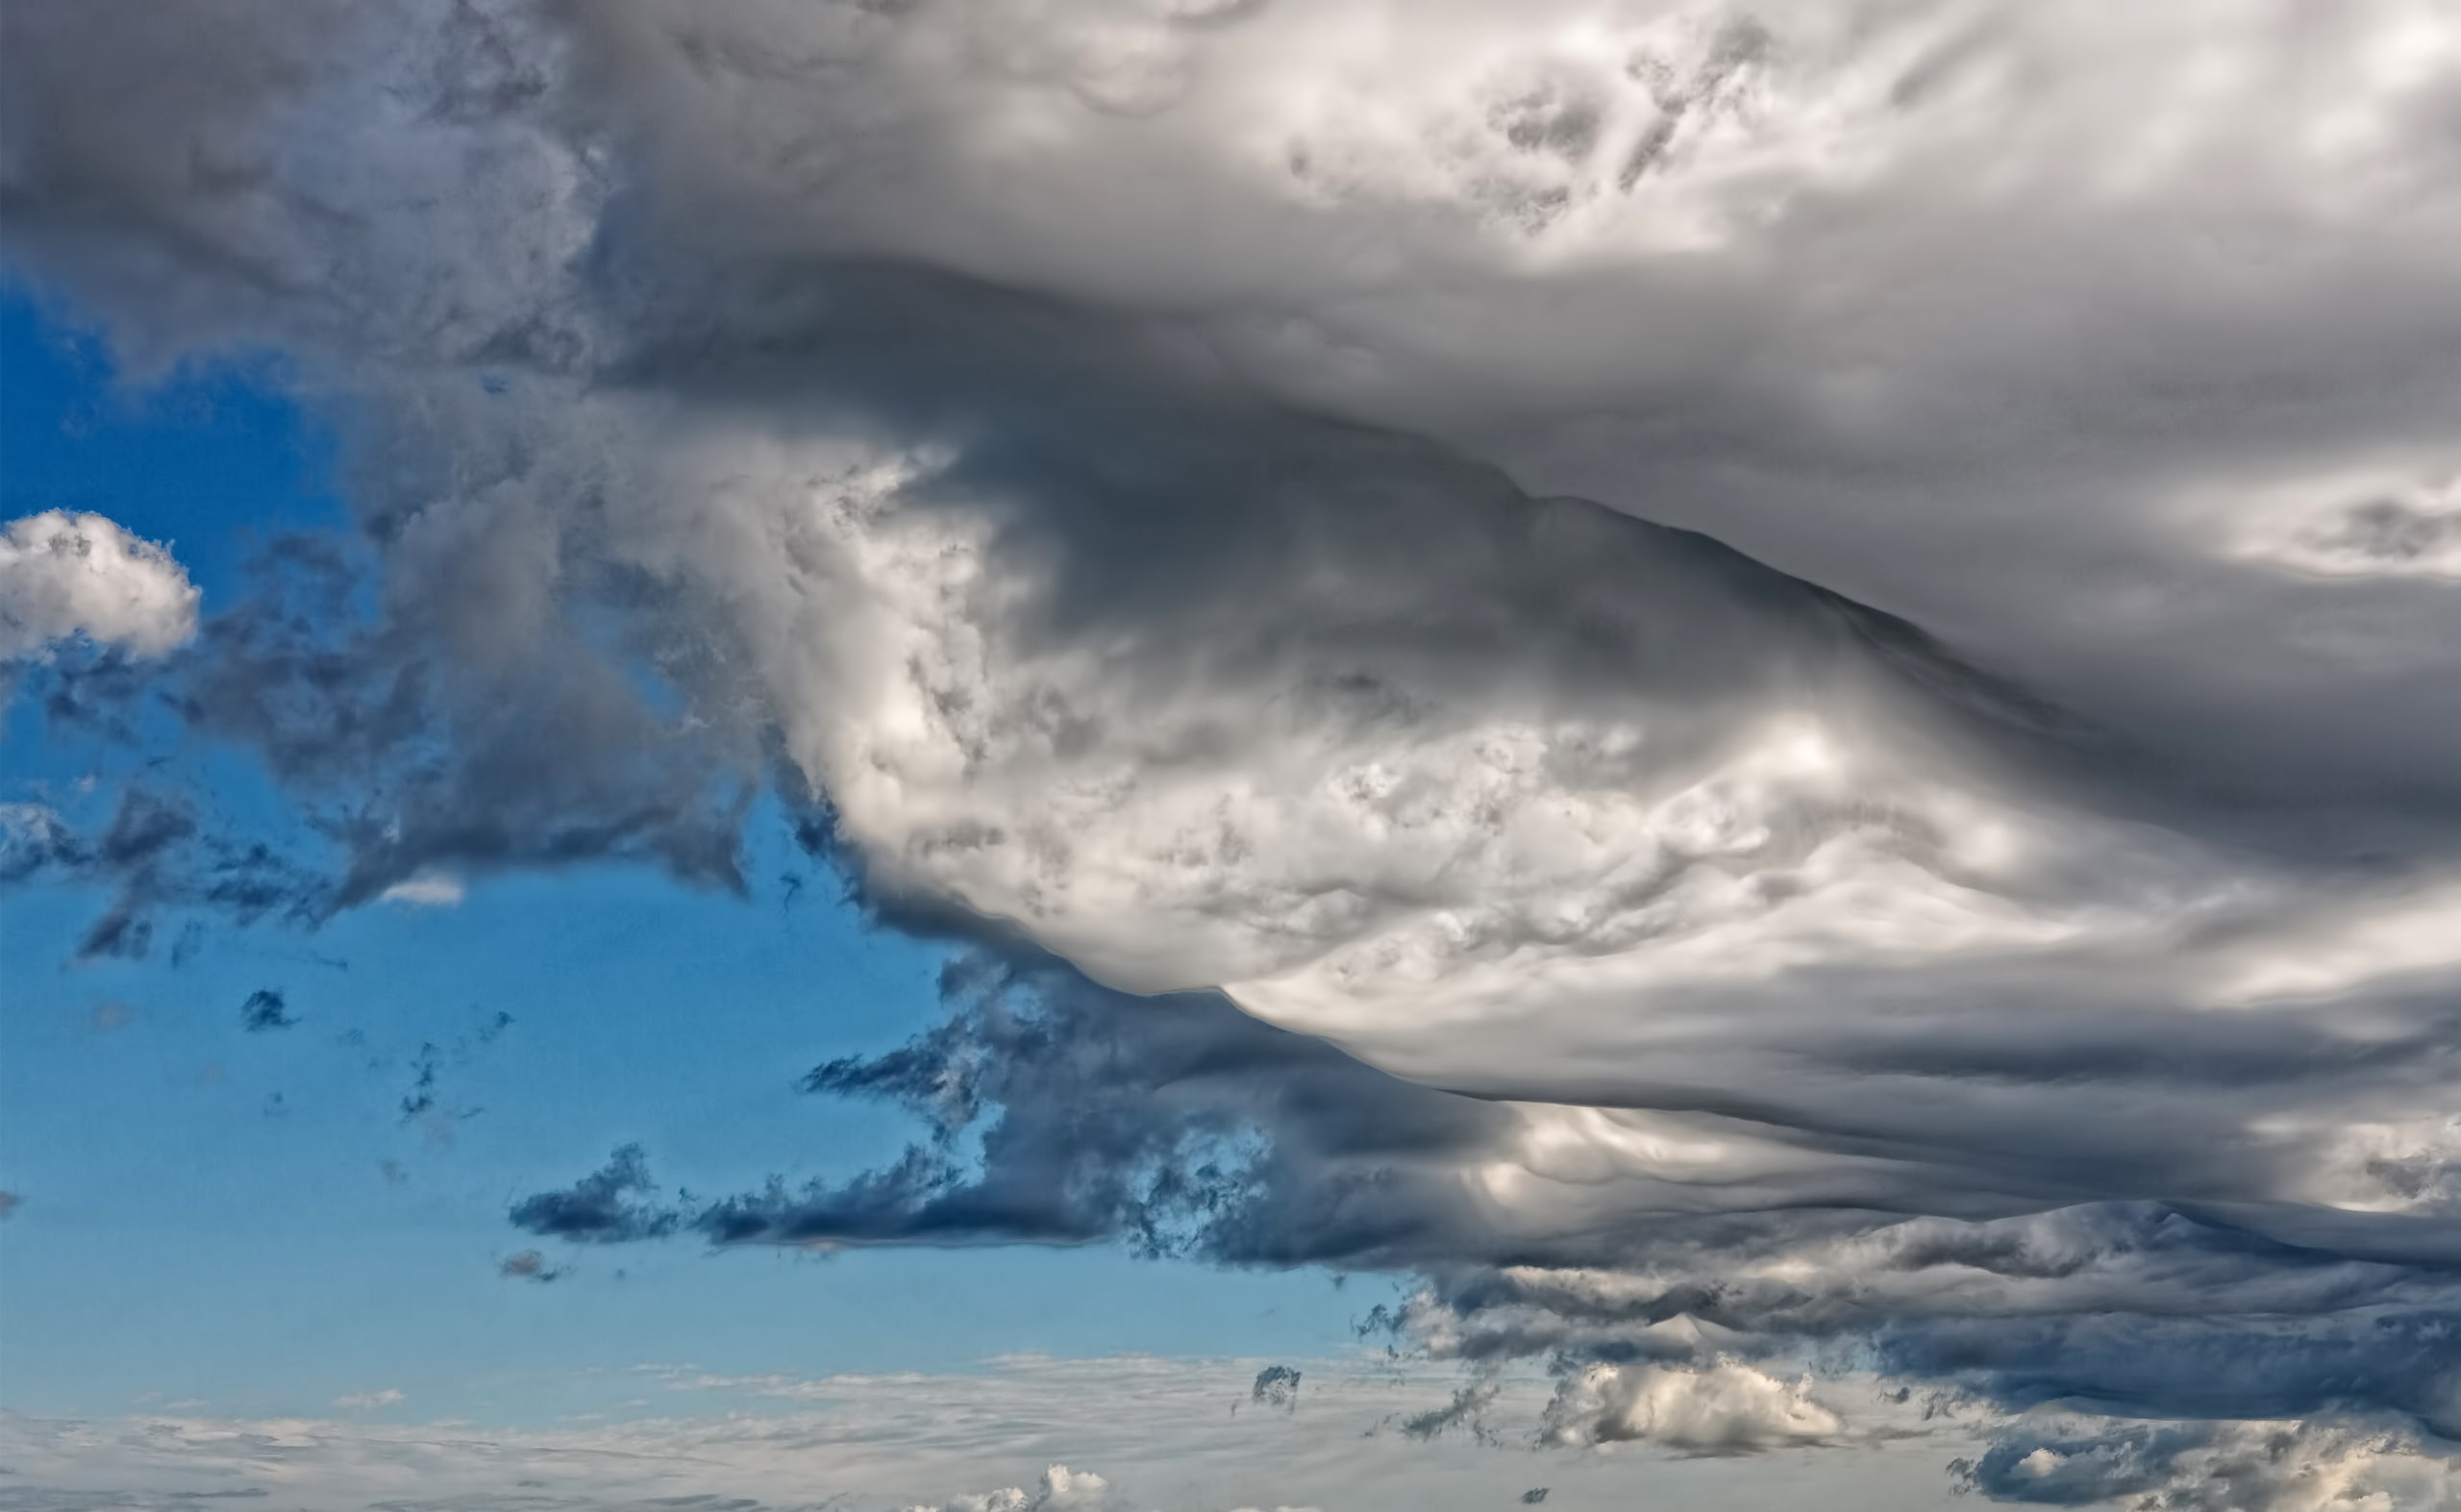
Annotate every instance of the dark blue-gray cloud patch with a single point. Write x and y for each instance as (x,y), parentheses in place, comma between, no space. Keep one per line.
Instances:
(266,1009)
(614,1205)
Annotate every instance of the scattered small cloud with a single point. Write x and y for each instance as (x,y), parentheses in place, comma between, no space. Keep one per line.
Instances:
(370,1400)
(529,1266)
(1466,1411)
(266,1009)
(1277,1386)
(611,1206)
(420,1100)
(427,890)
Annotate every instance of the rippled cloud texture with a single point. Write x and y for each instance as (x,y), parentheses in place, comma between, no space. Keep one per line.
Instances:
(1765,688)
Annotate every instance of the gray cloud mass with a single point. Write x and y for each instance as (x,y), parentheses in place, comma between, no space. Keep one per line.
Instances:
(1765,691)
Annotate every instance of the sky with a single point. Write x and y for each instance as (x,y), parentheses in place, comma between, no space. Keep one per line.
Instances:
(1214,753)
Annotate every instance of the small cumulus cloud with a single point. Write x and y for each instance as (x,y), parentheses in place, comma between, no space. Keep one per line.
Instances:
(65,575)
(1723,1407)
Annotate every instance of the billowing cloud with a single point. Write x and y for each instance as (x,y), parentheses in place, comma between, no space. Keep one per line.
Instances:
(1717,1408)
(65,576)
(2255,1467)
(1806,648)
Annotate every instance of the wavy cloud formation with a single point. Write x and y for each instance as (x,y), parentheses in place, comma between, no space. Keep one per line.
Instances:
(1805,646)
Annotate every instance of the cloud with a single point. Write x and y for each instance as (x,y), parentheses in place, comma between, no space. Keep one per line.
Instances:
(1467,1412)
(266,1009)
(1719,1408)
(370,1400)
(1059,1488)
(529,1265)
(1678,1298)
(64,576)
(153,854)
(2242,1467)
(608,1206)
(424,892)
(1276,1386)
(1734,685)
(1154,1431)
(10,1202)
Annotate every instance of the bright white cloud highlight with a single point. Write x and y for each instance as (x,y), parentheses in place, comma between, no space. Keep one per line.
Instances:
(65,575)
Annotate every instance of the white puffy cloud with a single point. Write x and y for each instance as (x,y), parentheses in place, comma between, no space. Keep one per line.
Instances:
(1719,1408)
(65,575)
(426,891)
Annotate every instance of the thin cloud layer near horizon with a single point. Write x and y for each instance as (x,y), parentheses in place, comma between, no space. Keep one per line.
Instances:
(1759,702)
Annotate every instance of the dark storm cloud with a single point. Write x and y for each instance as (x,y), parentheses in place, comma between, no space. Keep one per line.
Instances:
(1149,1126)
(1181,1126)
(1094,1124)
